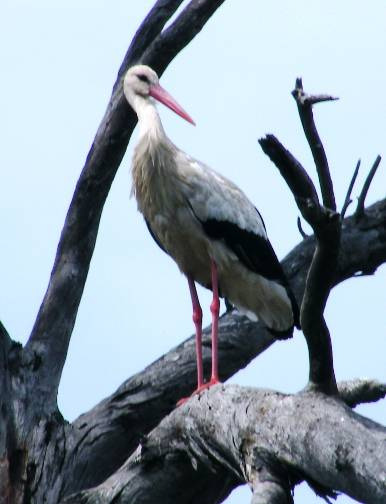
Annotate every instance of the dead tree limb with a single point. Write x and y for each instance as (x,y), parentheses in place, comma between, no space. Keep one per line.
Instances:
(326,226)
(44,459)
(305,103)
(141,402)
(228,430)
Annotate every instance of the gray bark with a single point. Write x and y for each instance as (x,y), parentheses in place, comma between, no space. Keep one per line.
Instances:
(134,444)
(232,434)
(45,459)
(141,402)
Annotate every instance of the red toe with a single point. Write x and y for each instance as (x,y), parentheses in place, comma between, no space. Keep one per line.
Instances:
(201,388)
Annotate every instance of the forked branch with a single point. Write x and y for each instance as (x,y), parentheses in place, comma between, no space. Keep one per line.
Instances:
(305,103)
(325,224)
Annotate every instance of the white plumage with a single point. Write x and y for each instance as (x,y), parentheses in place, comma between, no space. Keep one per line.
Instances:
(199,217)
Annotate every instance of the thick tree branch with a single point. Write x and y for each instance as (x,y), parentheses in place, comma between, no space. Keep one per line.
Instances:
(52,330)
(270,492)
(150,28)
(319,283)
(178,35)
(237,431)
(304,103)
(372,229)
(326,226)
(269,487)
(112,429)
(291,170)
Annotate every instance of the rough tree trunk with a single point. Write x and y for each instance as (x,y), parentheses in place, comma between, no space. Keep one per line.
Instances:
(135,446)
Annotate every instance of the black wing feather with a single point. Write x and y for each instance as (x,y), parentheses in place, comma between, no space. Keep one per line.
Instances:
(254,251)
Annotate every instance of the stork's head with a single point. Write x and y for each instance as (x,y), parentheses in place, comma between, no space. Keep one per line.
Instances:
(141,84)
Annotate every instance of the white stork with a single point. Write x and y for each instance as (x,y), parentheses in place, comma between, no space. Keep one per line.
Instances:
(205,223)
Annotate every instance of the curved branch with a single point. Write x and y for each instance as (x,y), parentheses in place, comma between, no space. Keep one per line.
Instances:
(112,429)
(150,28)
(269,485)
(270,492)
(239,431)
(178,35)
(304,103)
(48,342)
(295,176)
(326,226)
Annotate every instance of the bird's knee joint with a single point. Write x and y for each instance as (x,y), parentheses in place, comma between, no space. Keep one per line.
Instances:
(215,307)
(197,316)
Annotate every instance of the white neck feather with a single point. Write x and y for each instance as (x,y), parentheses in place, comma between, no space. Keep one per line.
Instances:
(148,118)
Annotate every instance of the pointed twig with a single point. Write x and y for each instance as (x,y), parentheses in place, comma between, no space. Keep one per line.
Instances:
(304,103)
(348,200)
(306,99)
(359,212)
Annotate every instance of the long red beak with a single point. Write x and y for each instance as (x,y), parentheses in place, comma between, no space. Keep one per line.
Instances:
(160,94)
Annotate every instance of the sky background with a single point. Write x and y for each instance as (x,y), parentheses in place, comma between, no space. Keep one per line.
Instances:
(59,62)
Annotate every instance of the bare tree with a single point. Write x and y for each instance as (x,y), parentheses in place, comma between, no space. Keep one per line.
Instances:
(135,446)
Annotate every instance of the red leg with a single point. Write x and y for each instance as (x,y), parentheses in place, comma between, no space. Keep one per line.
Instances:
(197,319)
(215,309)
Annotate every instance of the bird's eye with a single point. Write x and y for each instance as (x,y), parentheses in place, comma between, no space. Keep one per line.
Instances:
(143,78)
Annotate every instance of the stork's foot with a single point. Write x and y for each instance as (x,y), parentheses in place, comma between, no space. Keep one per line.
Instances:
(201,388)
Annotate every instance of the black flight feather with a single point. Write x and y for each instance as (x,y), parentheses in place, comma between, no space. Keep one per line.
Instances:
(253,250)
(256,253)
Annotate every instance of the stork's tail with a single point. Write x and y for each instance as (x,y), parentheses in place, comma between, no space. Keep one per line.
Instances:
(288,333)
(282,335)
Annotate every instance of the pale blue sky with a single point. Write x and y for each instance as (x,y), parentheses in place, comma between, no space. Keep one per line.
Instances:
(59,61)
